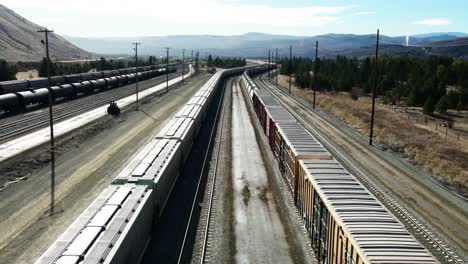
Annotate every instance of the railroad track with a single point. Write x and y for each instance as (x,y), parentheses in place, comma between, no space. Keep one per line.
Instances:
(429,239)
(62,111)
(211,191)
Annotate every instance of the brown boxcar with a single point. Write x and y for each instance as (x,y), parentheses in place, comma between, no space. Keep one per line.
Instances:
(293,144)
(347,224)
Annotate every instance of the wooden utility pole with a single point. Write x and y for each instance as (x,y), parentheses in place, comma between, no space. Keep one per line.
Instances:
(167,70)
(276,64)
(51,123)
(269,65)
(376,73)
(290,67)
(183,64)
(315,72)
(136,70)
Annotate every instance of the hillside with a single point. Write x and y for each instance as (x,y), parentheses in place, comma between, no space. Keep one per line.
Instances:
(257,44)
(20,41)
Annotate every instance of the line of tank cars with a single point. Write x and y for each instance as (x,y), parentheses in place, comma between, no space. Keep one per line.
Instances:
(19,94)
(116,227)
(345,222)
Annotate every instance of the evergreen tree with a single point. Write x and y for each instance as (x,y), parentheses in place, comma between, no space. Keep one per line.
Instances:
(441,106)
(429,106)
(210,61)
(43,68)
(7,71)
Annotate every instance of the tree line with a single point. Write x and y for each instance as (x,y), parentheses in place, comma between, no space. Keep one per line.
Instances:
(225,62)
(8,70)
(57,68)
(436,83)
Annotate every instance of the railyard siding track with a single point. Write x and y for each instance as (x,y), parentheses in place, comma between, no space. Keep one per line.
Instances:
(306,116)
(12,127)
(214,142)
(213,192)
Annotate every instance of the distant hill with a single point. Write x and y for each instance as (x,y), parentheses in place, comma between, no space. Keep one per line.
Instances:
(441,34)
(257,45)
(451,42)
(20,41)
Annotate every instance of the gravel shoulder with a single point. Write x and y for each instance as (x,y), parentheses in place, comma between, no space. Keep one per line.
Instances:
(87,162)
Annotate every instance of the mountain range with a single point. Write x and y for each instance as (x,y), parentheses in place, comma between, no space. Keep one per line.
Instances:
(20,41)
(257,45)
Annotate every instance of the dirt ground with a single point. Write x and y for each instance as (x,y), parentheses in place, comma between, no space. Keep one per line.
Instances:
(88,161)
(445,157)
(27,75)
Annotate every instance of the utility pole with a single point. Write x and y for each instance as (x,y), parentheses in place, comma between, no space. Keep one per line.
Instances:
(276,64)
(290,67)
(197,61)
(315,72)
(269,67)
(167,70)
(51,123)
(191,61)
(136,70)
(375,88)
(183,64)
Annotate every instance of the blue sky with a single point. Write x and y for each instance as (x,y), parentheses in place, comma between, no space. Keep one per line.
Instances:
(119,18)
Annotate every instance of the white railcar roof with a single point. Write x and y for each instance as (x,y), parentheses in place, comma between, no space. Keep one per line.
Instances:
(300,141)
(373,230)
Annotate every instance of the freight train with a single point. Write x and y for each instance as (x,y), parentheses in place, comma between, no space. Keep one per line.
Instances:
(344,221)
(116,227)
(20,94)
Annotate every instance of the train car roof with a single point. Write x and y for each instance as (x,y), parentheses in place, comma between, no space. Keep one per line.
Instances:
(374,231)
(301,142)
(12,82)
(100,227)
(280,115)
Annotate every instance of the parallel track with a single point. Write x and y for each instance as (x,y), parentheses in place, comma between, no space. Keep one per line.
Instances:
(442,251)
(212,197)
(72,108)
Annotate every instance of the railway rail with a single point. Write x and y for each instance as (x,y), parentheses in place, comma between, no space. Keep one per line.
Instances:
(31,122)
(214,138)
(429,239)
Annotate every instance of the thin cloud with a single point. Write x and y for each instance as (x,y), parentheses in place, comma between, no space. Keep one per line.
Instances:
(364,13)
(154,17)
(433,22)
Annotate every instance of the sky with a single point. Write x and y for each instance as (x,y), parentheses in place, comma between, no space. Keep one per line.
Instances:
(119,18)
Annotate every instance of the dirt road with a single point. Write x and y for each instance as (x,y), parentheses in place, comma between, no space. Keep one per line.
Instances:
(260,235)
